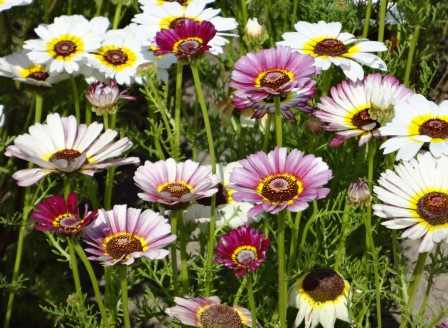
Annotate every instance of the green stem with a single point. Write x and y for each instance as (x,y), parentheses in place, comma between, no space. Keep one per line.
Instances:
(414,283)
(428,286)
(411,52)
(75,272)
(281,268)
(38,108)
(66,187)
(308,225)
(341,248)
(69,7)
(382,22)
(183,253)
(267,133)
(244,12)
(75,98)
(109,292)
(106,121)
(82,256)
(124,295)
(46,11)
(99,6)
(294,11)
(117,15)
(326,82)
(278,122)
(294,242)
(239,292)
(177,108)
(250,292)
(210,247)
(108,188)
(365,30)
(174,255)
(88,113)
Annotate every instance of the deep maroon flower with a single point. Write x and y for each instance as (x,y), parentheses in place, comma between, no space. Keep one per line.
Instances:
(187,41)
(61,216)
(242,249)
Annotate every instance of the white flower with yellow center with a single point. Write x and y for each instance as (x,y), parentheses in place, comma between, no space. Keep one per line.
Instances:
(172,14)
(416,122)
(161,2)
(6,4)
(66,42)
(415,198)
(19,67)
(328,45)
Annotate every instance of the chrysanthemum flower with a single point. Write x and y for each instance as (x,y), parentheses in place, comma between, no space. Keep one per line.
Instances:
(172,14)
(161,2)
(321,297)
(358,193)
(175,185)
(61,216)
(187,41)
(104,97)
(416,122)
(19,67)
(6,4)
(66,42)
(242,249)
(359,108)
(278,180)
(328,45)
(416,199)
(124,234)
(209,312)
(64,146)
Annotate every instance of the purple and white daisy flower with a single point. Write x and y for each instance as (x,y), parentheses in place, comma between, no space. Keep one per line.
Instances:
(7,4)
(328,45)
(416,122)
(208,312)
(124,234)
(278,180)
(242,249)
(175,185)
(105,97)
(415,198)
(360,108)
(64,146)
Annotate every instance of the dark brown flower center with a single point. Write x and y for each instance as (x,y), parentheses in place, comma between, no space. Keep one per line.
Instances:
(433,208)
(40,76)
(362,120)
(115,57)
(330,47)
(64,48)
(190,47)
(274,79)
(68,154)
(434,128)
(68,223)
(177,189)
(220,316)
(178,1)
(121,245)
(221,197)
(323,285)
(178,22)
(280,188)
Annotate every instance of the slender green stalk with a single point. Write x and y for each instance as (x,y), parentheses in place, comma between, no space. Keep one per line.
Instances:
(161,109)
(365,30)
(208,130)
(244,12)
(113,120)
(414,283)
(178,100)
(66,190)
(108,271)
(88,113)
(326,82)
(294,11)
(428,286)
(124,295)
(382,22)
(174,217)
(294,241)
(69,7)
(409,61)
(82,256)
(46,11)
(308,225)
(99,6)
(38,108)
(75,272)
(278,121)
(117,15)
(239,291)
(267,133)
(106,121)
(250,294)
(341,248)
(183,253)
(108,188)
(75,98)
(281,269)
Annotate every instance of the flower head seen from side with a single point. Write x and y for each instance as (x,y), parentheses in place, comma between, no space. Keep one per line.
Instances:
(184,3)
(321,297)
(7,4)
(328,45)
(416,122)
(175,185)
(62,216)
(415,198)
(209,312)
(357,109)
(105,97)
(187,41)
(242,249)
(67,42)
(123,234)
(170,15)
(358,193)
(63,146)
(278,180)
(19,67)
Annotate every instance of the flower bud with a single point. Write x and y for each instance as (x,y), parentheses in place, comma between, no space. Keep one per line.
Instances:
(254,33)
(104,98)
(147,70)
(358,193)
(314,125)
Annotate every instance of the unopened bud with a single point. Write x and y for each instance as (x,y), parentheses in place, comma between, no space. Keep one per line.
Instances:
(358,193)
(104,97)
(314,125)
(254,33)
(147,70)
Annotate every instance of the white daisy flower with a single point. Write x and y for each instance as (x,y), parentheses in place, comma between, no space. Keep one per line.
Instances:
(228,212)
(415,198)
(328,45)
(321,297)
(64,146)
(171,14)
(19,67)
(360,108)
(7,4)
(416,122)
(161,2)
(66,42)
